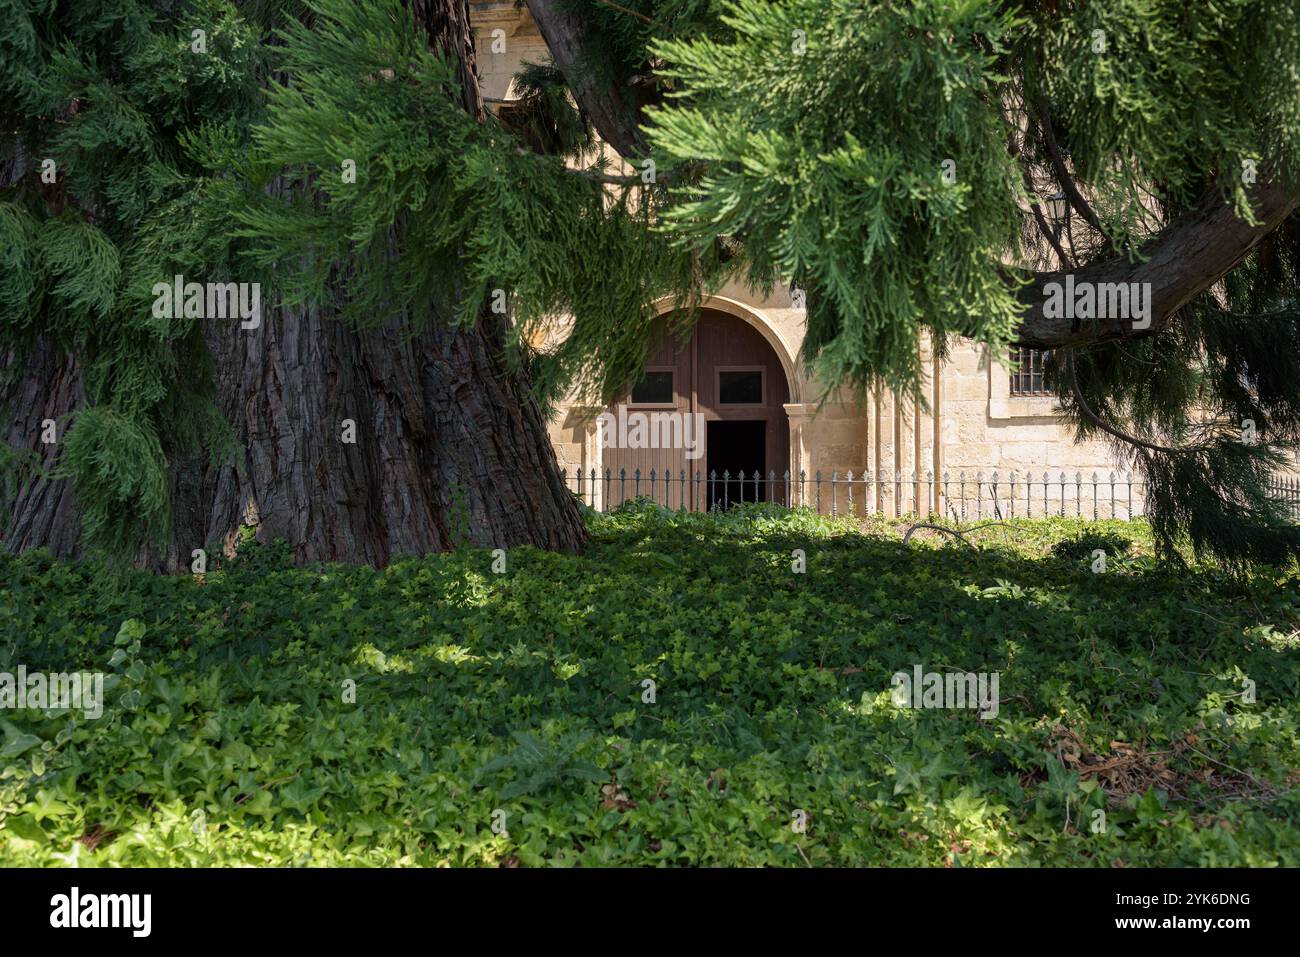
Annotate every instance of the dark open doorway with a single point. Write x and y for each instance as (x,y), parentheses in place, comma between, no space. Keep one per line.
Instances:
(737,447)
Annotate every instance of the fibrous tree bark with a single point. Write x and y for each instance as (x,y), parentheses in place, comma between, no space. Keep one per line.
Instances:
(37,385)
(449,445)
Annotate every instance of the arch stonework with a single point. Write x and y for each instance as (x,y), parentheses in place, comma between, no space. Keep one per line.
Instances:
(765,327)
(576,436)
(800,408)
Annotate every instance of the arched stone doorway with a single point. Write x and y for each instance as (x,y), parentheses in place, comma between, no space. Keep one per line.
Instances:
(706,412)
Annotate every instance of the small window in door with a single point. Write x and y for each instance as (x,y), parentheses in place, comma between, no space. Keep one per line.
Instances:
(655,388)
(740,386)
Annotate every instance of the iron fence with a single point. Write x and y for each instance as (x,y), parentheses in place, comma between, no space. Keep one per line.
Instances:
(959,496)
(1286,489)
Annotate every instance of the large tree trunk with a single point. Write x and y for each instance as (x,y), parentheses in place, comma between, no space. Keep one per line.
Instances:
(37,385)
(441,427)
(449,444)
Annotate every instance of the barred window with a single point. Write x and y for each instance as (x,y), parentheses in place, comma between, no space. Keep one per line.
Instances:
(1028,377)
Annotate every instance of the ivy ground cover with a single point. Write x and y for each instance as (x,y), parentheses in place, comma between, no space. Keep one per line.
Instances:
(693,690)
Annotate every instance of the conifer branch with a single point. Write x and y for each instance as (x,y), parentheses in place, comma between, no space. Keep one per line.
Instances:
(1036,210)
(1092,417)
(1188,256)
(1063,175)
(622,9)
(614,108)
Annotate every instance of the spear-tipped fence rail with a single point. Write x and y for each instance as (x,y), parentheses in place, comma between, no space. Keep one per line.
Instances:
(959,495)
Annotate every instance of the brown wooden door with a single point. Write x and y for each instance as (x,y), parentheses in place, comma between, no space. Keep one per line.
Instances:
(669,465)
(712,374)
(730,353)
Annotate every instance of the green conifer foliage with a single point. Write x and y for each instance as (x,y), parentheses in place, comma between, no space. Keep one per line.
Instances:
(824,130)
(446,216)
(180,152)
(102,98)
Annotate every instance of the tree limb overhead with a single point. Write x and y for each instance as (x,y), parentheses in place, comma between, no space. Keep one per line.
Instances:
(1188,256)
(614,109)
